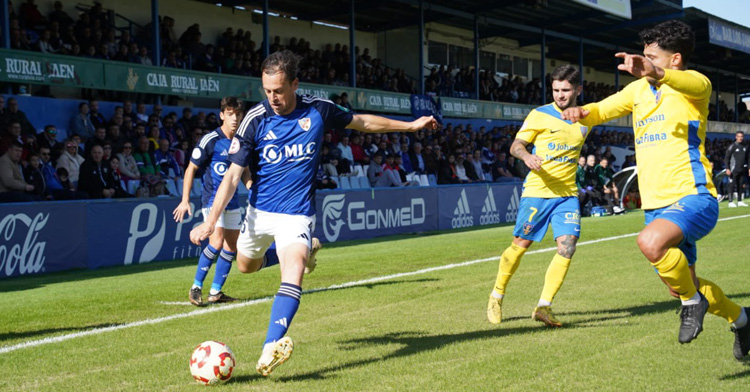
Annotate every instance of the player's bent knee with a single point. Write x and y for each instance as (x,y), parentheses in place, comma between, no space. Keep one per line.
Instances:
(650,245)
(247,265)
(566,246)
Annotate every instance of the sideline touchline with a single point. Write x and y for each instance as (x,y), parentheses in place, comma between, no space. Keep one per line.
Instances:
(96,331)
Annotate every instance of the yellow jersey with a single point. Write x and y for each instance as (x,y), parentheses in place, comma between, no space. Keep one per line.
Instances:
(558,142)
(669,122)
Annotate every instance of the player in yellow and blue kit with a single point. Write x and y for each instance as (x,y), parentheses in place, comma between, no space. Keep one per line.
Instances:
(549,195)
(670,108)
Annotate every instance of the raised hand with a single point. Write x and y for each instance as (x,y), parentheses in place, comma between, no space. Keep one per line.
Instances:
(639,66)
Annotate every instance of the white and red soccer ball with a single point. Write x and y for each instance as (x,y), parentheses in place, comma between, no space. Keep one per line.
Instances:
(212,363)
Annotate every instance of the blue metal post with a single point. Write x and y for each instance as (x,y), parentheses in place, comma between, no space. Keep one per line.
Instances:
(156,44)
(617,71)
(266,36)
(580,66)
(352,41)
(156,30)
(718,95)
(421,47)
(476,57)
(5,18)
(543,76)
(736,97)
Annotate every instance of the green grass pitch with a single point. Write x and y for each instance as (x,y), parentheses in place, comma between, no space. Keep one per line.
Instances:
(394,330)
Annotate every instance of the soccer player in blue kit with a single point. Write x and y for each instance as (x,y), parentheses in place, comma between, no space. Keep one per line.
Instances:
(280,140)
(209,158)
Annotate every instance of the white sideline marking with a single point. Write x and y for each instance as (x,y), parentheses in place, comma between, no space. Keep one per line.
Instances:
(217,308)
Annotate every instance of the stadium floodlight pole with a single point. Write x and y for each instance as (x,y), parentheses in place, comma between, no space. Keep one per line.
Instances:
(421,47)
(266,36)
(736,97)
(5,18)
(352,57)
(543,76)
(155,27)
(718,95)
(617,71)
(476,56)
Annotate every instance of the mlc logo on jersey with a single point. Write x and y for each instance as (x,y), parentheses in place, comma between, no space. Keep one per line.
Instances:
(295,152)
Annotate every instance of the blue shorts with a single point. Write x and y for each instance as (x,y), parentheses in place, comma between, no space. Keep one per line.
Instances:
(536,214)
(695,215)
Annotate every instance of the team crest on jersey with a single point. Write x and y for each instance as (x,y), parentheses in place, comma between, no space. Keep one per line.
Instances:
(527,227)
(235,146)
(584,131)
(305,123)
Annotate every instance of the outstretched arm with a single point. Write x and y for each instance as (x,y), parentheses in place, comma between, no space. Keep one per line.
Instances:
(691,84)
(377,124)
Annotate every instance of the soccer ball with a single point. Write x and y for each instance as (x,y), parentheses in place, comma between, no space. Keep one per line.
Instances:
(212,363)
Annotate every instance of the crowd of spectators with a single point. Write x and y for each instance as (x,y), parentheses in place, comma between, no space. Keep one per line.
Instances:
(91,33)
(102,155)
(454,82)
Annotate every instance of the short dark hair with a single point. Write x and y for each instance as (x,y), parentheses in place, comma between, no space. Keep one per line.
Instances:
(233,103)
(283,61)
(16,144)
(567,73)
(673,35)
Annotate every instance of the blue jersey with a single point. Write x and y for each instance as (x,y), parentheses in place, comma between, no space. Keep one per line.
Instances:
(211,156)
(283,151)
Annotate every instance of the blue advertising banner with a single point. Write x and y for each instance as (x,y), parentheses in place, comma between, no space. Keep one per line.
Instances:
(55,236)
(728,35)
(467,206)
(41,238)
(373,213)
(134,232)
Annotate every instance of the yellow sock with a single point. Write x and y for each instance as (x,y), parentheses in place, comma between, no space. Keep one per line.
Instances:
(509,262)
(718,303)
(553,280)
(673,267)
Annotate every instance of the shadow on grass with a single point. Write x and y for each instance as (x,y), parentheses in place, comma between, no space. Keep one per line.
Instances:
(411,342)
(738,376)
(35,281)
(415,342)
(30,334)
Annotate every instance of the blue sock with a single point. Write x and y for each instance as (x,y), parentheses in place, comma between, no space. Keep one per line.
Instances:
(270,258)
(284,307)
(204,264)
(223,265)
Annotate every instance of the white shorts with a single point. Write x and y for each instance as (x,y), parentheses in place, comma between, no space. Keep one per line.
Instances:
(260,229)
(229,219)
